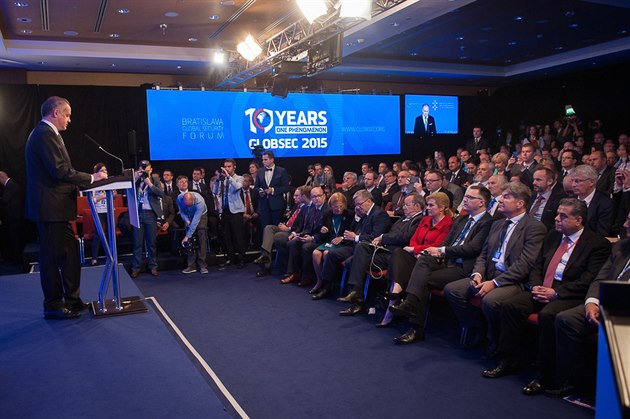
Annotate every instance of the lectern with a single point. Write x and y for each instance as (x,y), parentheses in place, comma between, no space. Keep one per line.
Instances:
(117,305)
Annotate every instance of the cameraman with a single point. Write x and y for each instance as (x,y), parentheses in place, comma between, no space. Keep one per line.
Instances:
(194,212)
(149,191)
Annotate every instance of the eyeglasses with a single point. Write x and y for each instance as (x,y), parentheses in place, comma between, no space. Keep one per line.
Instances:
(317,196)
(472,197)
(358,204)
(431,180)
(403,177)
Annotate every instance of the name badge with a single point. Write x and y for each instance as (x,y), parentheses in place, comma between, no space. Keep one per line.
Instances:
(496,256)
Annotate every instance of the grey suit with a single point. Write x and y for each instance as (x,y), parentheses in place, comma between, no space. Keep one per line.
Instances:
(521,253)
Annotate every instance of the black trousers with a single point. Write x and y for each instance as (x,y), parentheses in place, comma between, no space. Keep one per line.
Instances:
(361,260)
(233,234)
(60,266)
(332,264)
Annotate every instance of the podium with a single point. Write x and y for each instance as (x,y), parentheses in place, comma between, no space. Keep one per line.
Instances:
(117,305)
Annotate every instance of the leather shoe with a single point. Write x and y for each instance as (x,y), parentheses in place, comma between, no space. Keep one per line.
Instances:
(411,336)
(262,272)
(154,272)
(262,260)
(289,279)
(561,391)
(320,294)
(352,297)
(78,306)
(60,314)
(135,274)
(533,388)
(404,309)
(353,310)
(504,367)
(392,296)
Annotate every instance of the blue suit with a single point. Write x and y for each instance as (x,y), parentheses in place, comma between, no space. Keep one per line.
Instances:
(272,206)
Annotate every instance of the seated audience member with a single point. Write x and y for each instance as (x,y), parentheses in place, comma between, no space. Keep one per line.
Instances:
(500,161)
(451,260)
(365,167)
(335,222)
(547,197)
(391,187)
(526,165)
(398,200)
(193,210)
(280,233)
(434,181)
(601,209)
(568,162)
(396,166)
(300,244)
(369,183)
(380,180)
(505,262)
(567,185)
(575,328)
(457,191)
(495,186)
(170,186)
(605,173)
(349,187)
(569,261)
(623,179)
(323,179)
(376,255)
(457,175)
(370,221)
(484,171)
(310,169)
(168,223)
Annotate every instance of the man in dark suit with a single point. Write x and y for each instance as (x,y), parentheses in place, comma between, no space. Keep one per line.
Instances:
(349,187)
(507,257)
(527,164)
(451,261)
(398,200)
(477,144)
(605,173)
(390,188)
(369,183)
(51,193)
(365,253)
(170,187)
(370,222)
(601,209)
(425,123)
(434,179)
(575,327)
(545,203)
(457,175)
(12,216)
(323,179)
(271,184)
(570,259)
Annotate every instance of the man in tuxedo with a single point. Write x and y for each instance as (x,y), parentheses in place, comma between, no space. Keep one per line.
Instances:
(370,222)
(569,261)
(271,185)
(601,209)
(507,257)
(477,144)
(12,216)
(605,173)
(547,197)
(379,251)
(425,123)
(438,266)
(51,194)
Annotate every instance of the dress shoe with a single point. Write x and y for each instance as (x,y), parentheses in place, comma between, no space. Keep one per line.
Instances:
(504,367)
(383,325)
(392,296)
(352,297)
(289,279)
(405,309)
(262,260)
(306,281)
(320,294)
(135,274)
(78,306)
(533,388)
(154,272)
(315,289)
(60,314)
(353,309)
(411,336)
(262,272)
(561,391)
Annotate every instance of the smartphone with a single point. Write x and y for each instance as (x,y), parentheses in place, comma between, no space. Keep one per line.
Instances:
(515,154)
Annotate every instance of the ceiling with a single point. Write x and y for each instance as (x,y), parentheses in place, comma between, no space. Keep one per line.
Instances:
(490,42)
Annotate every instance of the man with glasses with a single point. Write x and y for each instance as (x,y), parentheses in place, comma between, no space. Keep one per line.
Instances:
(434,180)
(391,187)
(370,222)
(349,187)
(454,259)
(406,187)
(568,161)
(601,209)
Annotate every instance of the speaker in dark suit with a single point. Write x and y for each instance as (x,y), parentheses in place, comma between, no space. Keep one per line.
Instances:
(272,182)
(569,261)
(51,192)
(425,123)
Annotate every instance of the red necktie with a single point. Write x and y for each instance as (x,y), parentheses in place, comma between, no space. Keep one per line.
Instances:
(293,217)
(248,203)
(555,261)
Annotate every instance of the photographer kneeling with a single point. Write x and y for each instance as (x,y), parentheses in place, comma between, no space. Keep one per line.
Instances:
(193,210)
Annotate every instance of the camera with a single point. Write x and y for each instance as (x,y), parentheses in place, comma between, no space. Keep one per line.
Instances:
(191,245)
(144,173)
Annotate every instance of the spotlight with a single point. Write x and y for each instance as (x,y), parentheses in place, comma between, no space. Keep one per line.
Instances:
(218,57)
(249,48)
(361,9)
(312,9)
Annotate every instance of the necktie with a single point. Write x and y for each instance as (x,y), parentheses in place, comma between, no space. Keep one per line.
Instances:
(555,261)
(248,203)
(453,176)
(564,173)
(462,235)
(61,139)
(401,199)
(491,204)
(534,211)
(225,195)
(196,186)
(503,234)
(169,189)
(426,127)
(293,217)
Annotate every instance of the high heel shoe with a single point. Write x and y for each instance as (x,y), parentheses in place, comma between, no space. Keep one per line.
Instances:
(315,289)
(388,318)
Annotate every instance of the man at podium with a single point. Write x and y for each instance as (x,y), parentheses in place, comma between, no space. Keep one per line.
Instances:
(51,202)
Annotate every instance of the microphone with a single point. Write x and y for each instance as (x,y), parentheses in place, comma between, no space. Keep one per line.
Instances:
(122,164)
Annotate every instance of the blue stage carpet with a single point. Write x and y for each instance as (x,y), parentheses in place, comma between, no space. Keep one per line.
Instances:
(284,356)
(118,367)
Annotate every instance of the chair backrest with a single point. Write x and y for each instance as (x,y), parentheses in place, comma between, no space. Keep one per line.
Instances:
(82,203)
(88,224)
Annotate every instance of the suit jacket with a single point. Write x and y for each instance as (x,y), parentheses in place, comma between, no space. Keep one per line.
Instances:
(606,181)
(528,175)
(12,201)
(472,148)
(419,129)
(327,181)
(51,184)
(279,183)
(612,267)
(377,197)
(349,194)
(155,197)
(168,209)
(387,198)
(551,208)
(622,214)
(520,254)
(401,232)
(372,225)
(460,178)
(174,191)
(587,257)
(457,191)
(397,203)
(601,214)
(470,249)
(253,195)
(327,221)
(313,220)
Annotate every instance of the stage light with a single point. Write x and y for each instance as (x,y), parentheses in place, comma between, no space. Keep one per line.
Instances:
(218,57)
(249,48)
(361,9)
(312,9)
